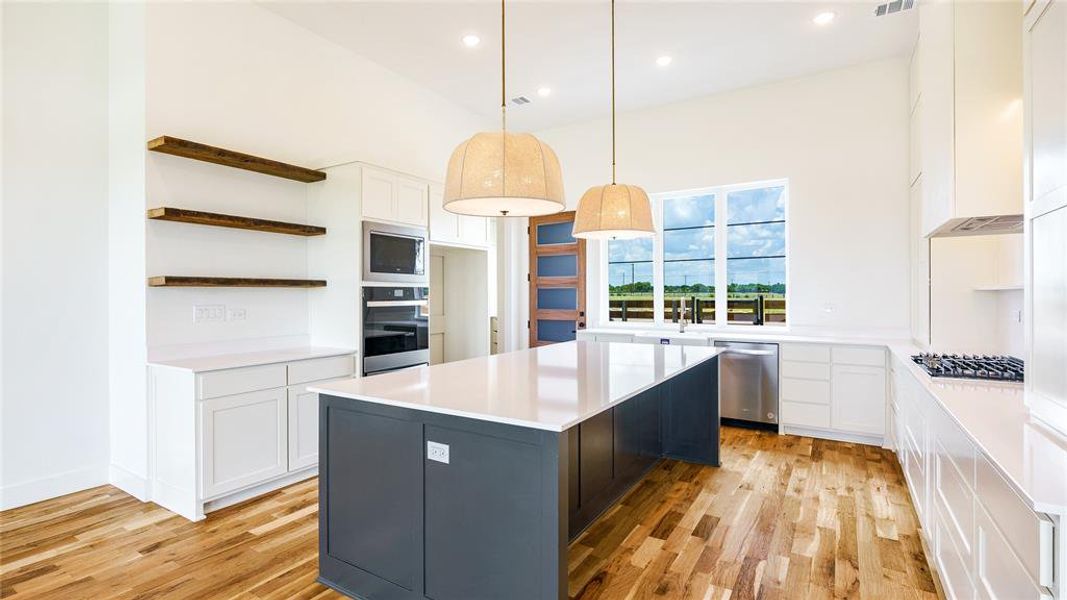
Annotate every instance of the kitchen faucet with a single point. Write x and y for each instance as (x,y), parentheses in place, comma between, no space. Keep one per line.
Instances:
(682,321)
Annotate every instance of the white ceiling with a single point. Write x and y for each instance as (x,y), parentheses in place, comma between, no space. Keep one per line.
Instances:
(716,46)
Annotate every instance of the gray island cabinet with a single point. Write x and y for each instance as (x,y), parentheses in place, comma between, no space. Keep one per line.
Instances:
(467,480)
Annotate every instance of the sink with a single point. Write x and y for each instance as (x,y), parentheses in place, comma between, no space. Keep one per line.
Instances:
(690,338)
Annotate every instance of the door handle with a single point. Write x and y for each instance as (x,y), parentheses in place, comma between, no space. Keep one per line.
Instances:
(748,352)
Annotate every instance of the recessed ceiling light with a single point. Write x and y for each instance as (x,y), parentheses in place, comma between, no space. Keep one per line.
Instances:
(664,60)
(824,18)
(544,91)
(470,40)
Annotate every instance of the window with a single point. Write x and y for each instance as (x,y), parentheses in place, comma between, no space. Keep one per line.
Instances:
(630,280)
(689,257)
(679,263)
(755,254)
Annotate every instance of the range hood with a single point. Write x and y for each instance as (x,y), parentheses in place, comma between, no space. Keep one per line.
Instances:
(993,225)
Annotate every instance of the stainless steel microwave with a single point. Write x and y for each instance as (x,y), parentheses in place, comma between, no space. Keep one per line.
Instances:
(394,254)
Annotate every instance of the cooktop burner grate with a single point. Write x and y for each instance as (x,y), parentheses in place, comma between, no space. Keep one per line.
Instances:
(965,366)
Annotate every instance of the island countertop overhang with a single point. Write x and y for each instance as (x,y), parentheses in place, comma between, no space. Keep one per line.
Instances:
(552,388)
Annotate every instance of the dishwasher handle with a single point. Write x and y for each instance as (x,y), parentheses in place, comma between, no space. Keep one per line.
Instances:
(747,352)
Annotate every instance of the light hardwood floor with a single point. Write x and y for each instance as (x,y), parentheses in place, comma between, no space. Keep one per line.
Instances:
(785,517)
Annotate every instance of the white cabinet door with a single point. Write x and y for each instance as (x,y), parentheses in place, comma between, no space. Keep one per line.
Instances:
(474,230)
(858,399)
(303,428)
(411,202)
(379,195)
(1046,40)
(444,226)
(243,440)
(936,143)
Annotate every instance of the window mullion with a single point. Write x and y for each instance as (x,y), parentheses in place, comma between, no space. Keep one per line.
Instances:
(657,263)
(720,257)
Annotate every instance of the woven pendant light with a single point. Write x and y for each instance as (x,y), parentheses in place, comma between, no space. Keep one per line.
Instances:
(503,174)
(616,210)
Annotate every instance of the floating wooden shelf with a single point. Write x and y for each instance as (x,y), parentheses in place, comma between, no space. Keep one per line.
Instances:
(166,213)
(187,281)
(230,158)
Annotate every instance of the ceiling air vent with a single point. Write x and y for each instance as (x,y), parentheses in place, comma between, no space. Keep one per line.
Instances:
(893,7)
(989,225)
(520,100)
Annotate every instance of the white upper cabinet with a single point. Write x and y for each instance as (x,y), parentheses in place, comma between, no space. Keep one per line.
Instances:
(393,198)
(1046,209)
(970,111)
(450,228)
(1046,43)
(379,195)
(444,226)
(411,202)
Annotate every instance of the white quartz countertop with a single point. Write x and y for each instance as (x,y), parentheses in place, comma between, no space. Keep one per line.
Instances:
(219,362)
(765,335)
(1031,456)
(552,387)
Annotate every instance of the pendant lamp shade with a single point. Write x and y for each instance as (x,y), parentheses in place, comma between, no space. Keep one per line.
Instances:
(614,211)
(500,173)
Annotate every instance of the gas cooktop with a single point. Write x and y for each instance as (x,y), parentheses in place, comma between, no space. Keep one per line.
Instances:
(965,366)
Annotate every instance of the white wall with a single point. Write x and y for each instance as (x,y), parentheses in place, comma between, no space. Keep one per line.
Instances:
(969,320)
(465,301)
(273,89)
(54,426)
(840,137)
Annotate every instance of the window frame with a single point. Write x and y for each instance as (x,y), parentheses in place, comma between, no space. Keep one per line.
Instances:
(721,262)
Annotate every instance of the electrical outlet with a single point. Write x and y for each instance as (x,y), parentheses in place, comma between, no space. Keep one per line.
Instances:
(437,451)
(236,314)
(203,313)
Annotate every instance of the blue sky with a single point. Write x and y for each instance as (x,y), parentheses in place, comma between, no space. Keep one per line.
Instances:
(744,206)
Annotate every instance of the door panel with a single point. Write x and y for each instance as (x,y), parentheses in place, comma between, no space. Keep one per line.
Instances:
(437,309)
(557,280)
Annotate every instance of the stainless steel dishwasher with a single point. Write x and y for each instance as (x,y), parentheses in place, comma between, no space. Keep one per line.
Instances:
(748,382)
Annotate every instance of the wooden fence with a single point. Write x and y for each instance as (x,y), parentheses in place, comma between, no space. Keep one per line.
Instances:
(699,310)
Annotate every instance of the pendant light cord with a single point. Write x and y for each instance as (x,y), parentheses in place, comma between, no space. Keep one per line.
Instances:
(503,68)
(612,92)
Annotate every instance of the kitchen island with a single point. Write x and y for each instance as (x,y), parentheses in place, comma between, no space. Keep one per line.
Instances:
(466,480)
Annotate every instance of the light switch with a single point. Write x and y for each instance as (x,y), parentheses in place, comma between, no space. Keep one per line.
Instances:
(437,451)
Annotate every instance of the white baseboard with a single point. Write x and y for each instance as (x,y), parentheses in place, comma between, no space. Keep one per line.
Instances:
(837,436)
(129,482)
(260,489)
(60,484)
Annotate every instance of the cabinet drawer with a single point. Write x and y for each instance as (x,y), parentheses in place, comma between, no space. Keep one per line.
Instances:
(239,381)
(855,355)
(806,390)
(953,561)
(806,415)
(806,370)
(614,337)
(954,444)
(805,352)
(320,368)
(1021,527)
(999,574)
(956,499)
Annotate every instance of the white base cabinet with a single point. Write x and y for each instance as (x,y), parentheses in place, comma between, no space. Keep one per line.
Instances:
(833,391)
(303,432)
(985,541)
(243,440)
(224,436)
